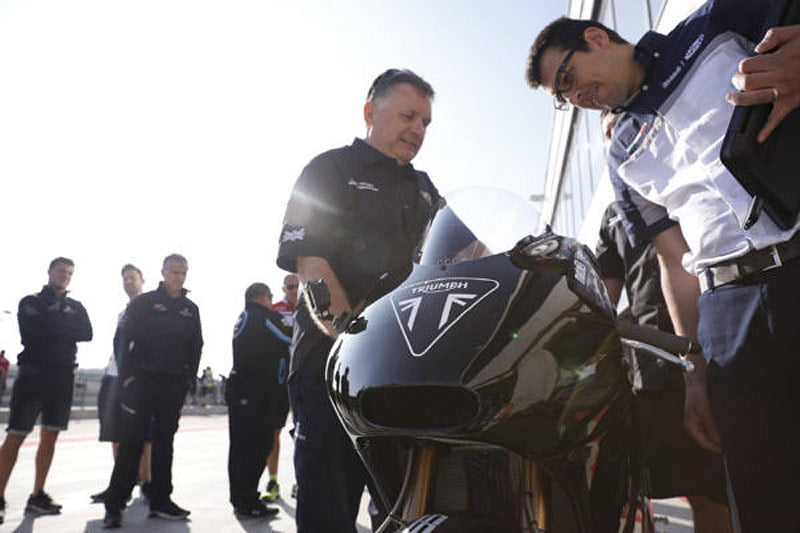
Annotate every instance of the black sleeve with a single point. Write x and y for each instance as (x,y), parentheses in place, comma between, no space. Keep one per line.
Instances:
(750,18)
(314,214)
(32,321)
(608,258)
(80,325)
(132,330)
(69,323)
(196,344)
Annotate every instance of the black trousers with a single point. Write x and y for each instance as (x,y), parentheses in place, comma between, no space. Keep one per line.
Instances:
(149,396)
(251,426)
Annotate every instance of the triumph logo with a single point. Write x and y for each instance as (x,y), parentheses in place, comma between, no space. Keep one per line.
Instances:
(426,310)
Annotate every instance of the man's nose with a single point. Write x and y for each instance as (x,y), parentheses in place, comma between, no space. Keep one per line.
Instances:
(419,127)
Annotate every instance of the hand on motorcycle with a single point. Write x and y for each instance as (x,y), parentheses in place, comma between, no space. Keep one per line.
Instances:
(698,420)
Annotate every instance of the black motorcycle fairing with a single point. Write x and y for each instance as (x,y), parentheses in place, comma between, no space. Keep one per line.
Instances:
(489,364)
(481,350)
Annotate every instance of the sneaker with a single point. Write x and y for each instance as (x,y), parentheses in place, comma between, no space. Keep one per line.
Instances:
(2,509)
(168,510)
(100,497)
(255,511)
(42,503)
(145,490)
(273,492)
(112,519)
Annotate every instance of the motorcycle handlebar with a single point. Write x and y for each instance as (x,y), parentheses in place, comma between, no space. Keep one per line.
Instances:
(668,342)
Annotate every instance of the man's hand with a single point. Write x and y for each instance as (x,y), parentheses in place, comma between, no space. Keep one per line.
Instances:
(697,411)
(771,78)
(315,268)
(128,381)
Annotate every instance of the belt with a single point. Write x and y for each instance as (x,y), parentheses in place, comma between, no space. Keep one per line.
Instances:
(750,263)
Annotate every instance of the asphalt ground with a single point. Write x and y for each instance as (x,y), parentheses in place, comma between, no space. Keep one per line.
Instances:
(82,466)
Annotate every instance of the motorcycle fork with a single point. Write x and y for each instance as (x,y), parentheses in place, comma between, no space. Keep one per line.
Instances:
(536,495)
(420,481)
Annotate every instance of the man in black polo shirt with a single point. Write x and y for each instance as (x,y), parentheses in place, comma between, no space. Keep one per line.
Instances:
(163,327)
(50,324)
(356,219)
(256,397)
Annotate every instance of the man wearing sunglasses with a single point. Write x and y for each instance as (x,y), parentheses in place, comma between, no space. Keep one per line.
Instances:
(355,219)
(738,292)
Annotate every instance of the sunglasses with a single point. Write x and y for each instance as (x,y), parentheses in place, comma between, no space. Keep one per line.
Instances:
(564,80)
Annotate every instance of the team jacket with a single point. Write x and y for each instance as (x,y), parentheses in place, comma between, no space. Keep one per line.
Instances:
(286,310)
(261,345)
(164,335)
(50,327)
(664,157)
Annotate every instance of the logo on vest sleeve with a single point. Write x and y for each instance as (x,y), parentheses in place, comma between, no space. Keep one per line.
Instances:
(362,185)
(292,235)
(427,310)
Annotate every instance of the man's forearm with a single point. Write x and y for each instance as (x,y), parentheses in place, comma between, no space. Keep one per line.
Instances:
(681,292)
(680,288)
(317,268)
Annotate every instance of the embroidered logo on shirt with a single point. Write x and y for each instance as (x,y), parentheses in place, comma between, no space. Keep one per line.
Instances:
(185,312)
(161,308)
(291,235)
(690,52)
(362,185)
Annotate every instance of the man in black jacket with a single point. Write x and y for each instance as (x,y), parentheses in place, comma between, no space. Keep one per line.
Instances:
(50,325)
(356,219)
(256,395)
(163,356)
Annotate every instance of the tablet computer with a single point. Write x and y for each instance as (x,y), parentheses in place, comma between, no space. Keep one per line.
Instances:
(769,171)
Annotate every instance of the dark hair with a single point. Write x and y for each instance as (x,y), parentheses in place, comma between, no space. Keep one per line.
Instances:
(387,81)
(174,257)
(129,266)
(58,260)
(256,290)
(563,34)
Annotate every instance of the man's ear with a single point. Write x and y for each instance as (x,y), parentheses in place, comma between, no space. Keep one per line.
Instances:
(596,37)
(369,113)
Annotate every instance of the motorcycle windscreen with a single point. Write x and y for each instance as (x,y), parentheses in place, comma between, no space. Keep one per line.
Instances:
(478,222)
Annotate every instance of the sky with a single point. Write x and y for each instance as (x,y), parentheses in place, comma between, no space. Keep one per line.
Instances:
(132,130)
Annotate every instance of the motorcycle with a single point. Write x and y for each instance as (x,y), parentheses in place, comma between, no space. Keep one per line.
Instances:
(489,392)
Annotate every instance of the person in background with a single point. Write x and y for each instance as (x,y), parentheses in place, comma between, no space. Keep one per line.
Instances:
(355,220)
(164,342)
(256,396)
(108,400)
(50,324)
(207,386)
(4,363)
(286,308)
